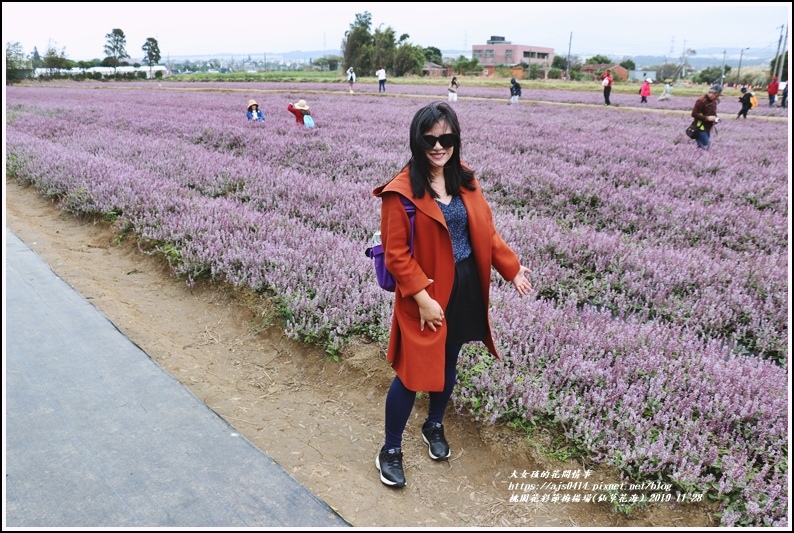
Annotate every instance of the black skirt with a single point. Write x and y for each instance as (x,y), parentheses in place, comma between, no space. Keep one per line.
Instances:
(466,314)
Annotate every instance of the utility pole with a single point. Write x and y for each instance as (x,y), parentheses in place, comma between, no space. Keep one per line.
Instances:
(568,61)
(682,70)
(722,74)
(777,54)
(739,72)
(779,66)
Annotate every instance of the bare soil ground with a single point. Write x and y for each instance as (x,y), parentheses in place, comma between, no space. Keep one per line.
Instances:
(321,421)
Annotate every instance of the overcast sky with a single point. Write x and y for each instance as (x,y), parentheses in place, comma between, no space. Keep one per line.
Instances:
(224,28)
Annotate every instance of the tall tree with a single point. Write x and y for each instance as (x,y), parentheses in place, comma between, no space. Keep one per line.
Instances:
(358,45)
(54,58)
(15,60)
(116,47)
(385,46)
(152,53)
(35,58)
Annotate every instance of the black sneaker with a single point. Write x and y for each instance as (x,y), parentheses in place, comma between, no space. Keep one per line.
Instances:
(433,435)
(390,465)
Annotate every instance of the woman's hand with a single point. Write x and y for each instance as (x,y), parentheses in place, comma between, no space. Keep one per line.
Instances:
(430,312)
(521,283)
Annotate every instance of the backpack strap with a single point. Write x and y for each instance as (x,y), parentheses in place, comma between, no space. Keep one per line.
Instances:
(410,209)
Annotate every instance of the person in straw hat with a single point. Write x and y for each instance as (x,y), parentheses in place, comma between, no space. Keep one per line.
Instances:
(300,109)
(254,113)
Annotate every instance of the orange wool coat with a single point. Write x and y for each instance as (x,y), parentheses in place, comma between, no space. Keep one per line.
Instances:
(418,356)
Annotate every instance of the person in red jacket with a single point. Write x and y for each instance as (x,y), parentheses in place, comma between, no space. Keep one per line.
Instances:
(441,299)
(772,89)
(645,91)
(606,82)
(299,109)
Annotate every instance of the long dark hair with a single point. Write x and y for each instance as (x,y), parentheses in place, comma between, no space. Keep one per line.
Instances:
(455,175)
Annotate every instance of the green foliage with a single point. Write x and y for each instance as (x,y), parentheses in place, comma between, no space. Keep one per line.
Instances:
(359,44)
(462,65)
(598,59)
(408,60)
(711,75)
(54,58)
(434,55)
(15,57)
(774,64)
(384,48)
(628,65)
(559,62)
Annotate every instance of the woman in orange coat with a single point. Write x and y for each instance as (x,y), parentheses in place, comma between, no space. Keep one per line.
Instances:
(441,300)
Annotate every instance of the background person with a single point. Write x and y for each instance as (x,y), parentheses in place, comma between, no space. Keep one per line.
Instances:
(772,89)
(299,110)
(453,89)
(645,91)
(705,112)
(515,91)
(606,82)
(744,99)
(441,300)
(254,113)
(667,93)
(381,74)
(351,78)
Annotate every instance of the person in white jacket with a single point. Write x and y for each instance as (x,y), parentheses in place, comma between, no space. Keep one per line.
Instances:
(351,78)
(381,74)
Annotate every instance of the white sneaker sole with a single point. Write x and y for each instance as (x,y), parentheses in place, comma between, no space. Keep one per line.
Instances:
(383,479)
(433,457)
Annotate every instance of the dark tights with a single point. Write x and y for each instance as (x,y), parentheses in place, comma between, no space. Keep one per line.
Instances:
(400,400)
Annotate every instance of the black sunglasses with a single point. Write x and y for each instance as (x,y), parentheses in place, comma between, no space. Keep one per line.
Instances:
(446,141)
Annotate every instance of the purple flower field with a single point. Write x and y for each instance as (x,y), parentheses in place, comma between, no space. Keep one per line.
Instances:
(657,333)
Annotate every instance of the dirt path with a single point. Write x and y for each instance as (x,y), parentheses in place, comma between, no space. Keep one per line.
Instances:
(323,422)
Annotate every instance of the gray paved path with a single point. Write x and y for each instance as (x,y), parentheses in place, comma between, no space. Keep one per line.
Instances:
(97,434)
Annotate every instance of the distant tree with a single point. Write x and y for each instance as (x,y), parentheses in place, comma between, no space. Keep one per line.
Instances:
(628,65)
(15,60)
(710,75)
(559,62)
(598,60)
(773,66)
(385,46)
(333,63)
(409,59)
(35,58)
(462,65)
(321,63)
(433,55)
(116,47)
(664,72)
(358,46)
(151,52)
(54,58)
(535,71)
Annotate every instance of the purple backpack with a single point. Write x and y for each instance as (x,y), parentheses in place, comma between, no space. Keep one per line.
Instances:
(375,252)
